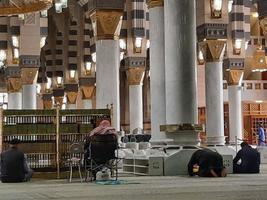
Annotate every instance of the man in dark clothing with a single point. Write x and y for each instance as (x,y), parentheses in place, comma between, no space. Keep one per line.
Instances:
(250,160)
(14,167)
(206,163)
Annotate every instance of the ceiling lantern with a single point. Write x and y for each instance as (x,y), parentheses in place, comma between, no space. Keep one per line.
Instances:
(18,7)
(230,5)
(216,8)
(237,46)
(3,57)
(60,4)
(88,68)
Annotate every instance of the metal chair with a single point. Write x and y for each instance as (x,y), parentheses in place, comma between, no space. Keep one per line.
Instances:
(101,153)
(76,156)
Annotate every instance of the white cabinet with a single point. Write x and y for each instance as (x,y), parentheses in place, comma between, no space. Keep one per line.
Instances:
(152,166)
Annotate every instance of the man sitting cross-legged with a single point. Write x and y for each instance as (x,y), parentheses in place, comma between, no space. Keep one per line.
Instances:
(247,160)
(14,167)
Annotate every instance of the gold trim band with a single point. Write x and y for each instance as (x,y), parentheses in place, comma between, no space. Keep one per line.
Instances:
(26,8)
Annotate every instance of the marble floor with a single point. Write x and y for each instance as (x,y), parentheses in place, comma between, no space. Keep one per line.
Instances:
(234,187)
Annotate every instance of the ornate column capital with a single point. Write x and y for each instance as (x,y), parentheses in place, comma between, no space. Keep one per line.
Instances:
(58,100)
(234,77)
(155,3)
(72,93)
(14,85)
(48,104)
(213,50)
(58,96)
(29,75)
(135,75)
(72,97)
(106,24)
(88,91)
(47,101)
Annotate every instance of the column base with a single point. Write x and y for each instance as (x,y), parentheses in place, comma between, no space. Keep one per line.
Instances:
(183,134)
(216,141)
(233,143)
(160,142)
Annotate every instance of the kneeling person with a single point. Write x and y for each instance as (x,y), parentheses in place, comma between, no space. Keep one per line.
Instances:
(206,163)
(250,160)
(14,167)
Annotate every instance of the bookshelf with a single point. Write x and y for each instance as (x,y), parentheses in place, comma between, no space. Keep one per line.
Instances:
(46,135)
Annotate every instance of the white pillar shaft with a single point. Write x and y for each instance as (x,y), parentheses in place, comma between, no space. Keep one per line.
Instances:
(157,72)
(71,106)
(136,106)
(15,100)
(107,77)
(235,114)
(29,98)
(180,61)
(87,104)
(214,103)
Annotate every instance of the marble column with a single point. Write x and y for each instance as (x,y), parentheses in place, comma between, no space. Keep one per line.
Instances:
(87,104)
(29,96)
(29,58)
(71,106)
(180,71)
(235,106)
(14,93)
(157,68)
(108,60)
(213,51)
(135,81)
(15,100)
(180,61)
(29,88)
(107,77)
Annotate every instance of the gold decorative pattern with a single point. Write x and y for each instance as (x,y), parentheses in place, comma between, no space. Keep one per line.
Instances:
(136,75)
(14,85)
(213,50)
(72,97)
(235,76)
(58,100)
(259,60)
(48,104)
(263,24)
(155,3)
(29,75)
(17,7)
(88,92)
(107,24)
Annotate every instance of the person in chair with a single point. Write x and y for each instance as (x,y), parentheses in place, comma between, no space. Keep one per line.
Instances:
(247,160)
(261,135)
(206,163)
(13,164)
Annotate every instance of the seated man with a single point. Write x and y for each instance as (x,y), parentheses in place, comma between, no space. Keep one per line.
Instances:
(14,167)
(206,163)
(250,160)
(104,128)
(106,134)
